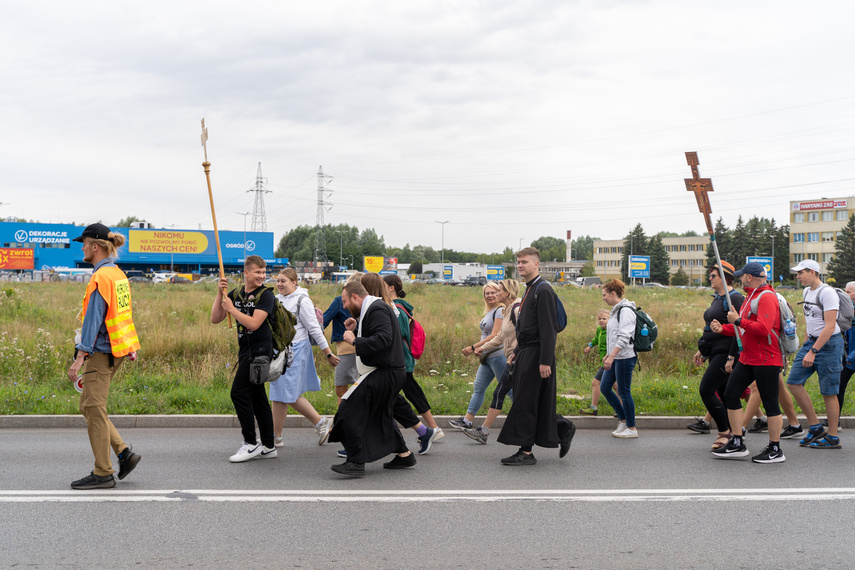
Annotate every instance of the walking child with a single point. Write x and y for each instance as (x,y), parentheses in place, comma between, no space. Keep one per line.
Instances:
(598,341)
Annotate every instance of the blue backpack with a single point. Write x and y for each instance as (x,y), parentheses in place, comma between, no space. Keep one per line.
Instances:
(560,313)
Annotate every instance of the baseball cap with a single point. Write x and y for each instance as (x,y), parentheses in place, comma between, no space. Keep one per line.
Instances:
(752,268)
(806,264)
(97,231)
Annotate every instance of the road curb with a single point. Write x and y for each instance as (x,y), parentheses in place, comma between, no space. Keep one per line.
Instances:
(296,421)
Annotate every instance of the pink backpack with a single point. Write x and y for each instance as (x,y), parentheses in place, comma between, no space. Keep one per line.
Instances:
(417,335)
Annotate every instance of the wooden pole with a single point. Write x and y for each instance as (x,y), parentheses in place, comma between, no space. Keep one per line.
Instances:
(207,166)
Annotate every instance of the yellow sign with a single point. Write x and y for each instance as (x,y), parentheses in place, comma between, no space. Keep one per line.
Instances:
(165,241)
(373,264)
(123,296)
(638,265)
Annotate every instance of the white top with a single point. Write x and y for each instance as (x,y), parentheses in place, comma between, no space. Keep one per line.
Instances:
(814,318)
(619,333)
(307,323)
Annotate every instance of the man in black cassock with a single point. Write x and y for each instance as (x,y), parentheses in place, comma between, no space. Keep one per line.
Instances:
(532,419)
(364,422)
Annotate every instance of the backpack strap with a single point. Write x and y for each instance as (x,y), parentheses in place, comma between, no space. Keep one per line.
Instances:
(513,316)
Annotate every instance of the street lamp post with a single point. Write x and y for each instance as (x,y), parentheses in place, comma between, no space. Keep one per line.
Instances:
(442,251)
(341,246)
(244,214)
(172,248)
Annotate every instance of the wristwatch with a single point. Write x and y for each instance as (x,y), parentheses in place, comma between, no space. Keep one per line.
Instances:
(329,355)
(813,350)
(737,321)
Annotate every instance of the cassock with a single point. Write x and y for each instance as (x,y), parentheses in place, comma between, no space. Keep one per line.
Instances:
(532,419)
(364,421)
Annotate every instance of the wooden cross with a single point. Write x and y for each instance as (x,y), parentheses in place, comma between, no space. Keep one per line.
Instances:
(204,139)
(700,186)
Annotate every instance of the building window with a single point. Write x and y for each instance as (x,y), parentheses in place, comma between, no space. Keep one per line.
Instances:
(673,263)
(828,216)
(842,215)
(813,236)
(813,216)
(614,250)
(620,250)
(826,257)
(827,236)
(798,218)
(600,263)
(798,257)
(813,256)
(798,238)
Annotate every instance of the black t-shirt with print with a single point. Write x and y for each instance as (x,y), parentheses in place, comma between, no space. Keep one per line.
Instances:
(260,341)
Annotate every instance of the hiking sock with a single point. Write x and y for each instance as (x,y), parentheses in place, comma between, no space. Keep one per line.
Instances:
(485,430)
(775,445)
(815,428)
(421,429)
(321,422)
(737,440)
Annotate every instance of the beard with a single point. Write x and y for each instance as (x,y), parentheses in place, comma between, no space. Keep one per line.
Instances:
(356,311)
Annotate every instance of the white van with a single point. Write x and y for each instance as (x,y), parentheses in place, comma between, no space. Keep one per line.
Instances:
(160,277)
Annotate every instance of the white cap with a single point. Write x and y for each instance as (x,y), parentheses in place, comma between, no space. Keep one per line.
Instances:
(806,264)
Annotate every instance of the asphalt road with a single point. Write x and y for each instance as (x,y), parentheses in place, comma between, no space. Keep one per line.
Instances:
(657,502)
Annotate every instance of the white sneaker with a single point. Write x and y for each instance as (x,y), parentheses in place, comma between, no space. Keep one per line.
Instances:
(439,435)
(277,441)
(620,427)
(627,433)
(324,431)
(267,452)
(246,452)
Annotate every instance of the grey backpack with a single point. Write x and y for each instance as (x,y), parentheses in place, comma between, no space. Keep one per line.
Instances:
(846,311)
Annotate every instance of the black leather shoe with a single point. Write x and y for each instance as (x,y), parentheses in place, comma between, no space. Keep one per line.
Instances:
(520,458)
(566,440)
(127,462)
(401,462)
(350,469)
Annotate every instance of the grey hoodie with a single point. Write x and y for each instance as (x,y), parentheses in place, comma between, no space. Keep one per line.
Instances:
(620,334)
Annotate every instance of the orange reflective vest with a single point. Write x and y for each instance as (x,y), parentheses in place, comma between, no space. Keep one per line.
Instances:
(113,286)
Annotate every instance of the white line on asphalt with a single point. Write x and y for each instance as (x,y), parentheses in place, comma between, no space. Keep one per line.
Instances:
(398,496)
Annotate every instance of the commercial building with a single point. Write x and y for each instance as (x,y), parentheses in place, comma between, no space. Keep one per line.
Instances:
(145,249)
(815,226)
(690,253)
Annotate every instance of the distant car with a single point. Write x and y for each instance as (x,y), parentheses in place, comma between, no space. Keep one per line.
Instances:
(178,280)
(475,281)
(786,287)
(139,279)
(433,281)
(654,284)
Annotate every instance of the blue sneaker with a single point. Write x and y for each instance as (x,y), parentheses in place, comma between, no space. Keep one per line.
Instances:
(426,441)
(342,453)
(813,434)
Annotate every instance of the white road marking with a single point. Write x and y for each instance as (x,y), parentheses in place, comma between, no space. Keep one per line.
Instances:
(439,495)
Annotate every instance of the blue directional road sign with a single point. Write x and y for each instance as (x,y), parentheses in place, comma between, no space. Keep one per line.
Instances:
(639,266)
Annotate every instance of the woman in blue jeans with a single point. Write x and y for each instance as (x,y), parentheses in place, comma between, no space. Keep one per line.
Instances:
(494,365)
(620,358)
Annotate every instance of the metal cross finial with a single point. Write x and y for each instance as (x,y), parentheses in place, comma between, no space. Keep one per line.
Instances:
(700,186)
(204,139)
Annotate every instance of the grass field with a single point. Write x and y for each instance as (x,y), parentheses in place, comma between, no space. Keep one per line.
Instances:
(185,365)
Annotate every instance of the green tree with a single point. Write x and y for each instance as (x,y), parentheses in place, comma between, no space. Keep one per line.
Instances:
(723,240)
(680,278)
(126,222)
(415,268)
(588,269)
(635,243)
(659,261)
(842,265)
(551,248)
(583,247)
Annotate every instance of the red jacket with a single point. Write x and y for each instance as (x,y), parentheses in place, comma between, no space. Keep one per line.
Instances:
(759,345)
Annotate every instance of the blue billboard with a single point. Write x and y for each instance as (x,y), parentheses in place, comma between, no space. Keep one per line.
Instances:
(144,248)
(639,266)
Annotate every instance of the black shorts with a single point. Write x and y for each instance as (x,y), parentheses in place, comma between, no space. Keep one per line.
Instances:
(599,375)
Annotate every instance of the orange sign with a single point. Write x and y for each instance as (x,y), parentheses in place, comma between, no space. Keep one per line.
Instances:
(166,241)
(17,258)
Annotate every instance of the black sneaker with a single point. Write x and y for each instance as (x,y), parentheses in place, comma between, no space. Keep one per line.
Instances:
(519,458)
(127,461)
(426,441)
(731,451)
(699,427)
(769,455)
(566,440)
(792,432)
(93,481)
(759,426)
(350,469)
(401,462)
(812,436)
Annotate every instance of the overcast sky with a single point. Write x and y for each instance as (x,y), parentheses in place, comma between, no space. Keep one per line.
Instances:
(511,120)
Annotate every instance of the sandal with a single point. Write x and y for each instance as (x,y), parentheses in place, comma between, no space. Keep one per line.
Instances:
(722,440)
